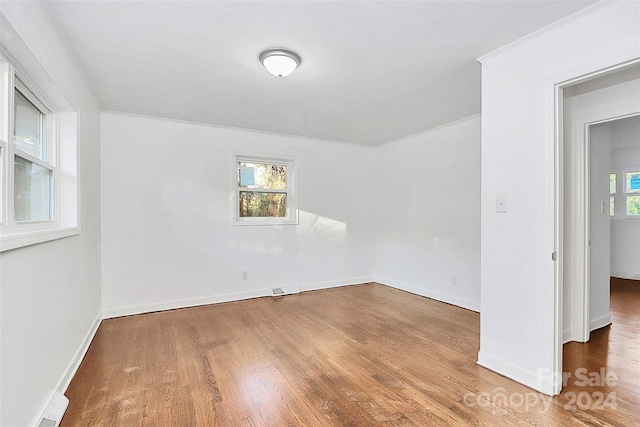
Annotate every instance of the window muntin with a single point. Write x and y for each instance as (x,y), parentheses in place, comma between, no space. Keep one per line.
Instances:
(265,191)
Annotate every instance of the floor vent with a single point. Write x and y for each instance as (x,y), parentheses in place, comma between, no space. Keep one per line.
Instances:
(285,290)
(54,411)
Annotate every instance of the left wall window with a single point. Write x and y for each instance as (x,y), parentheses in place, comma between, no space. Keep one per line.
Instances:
(33,169)
(38,163)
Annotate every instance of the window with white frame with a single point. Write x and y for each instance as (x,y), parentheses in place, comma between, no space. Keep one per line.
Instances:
(612,194)
(38,162)
(33,161)
(265,191)
(632,193)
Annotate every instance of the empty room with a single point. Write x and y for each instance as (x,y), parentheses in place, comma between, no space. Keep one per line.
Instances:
(319,213)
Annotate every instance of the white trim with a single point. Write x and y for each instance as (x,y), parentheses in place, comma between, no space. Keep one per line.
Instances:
(542,383)
(599,322)
(74,364)
(22,239)
(547,29)
(624,275)
(430,130)
(62,151)
(247,130)
(576,75)
(110,313)
(335,284)
(449,299)
(72,367)
(579,276)
(558,237)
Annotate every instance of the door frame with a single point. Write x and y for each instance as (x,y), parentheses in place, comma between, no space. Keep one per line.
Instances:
(581,299)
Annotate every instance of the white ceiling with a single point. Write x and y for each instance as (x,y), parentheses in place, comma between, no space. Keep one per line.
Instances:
(371,72)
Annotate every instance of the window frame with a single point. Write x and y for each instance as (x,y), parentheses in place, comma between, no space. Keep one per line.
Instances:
(627,194)
(614,194)
(291,217)
(49,160)
(60,152)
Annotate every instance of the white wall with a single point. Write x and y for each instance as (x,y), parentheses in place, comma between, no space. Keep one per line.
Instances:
(429,224)
(625,234)
(579,110)
(167,238)
(50,292)
(520,333)
(167,207)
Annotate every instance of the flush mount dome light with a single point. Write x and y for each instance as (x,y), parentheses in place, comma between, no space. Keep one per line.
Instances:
(280,62)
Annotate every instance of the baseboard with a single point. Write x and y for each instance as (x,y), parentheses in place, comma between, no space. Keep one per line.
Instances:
(335,284)
(72,367)
(625,275)
(543,384)
(110,313)
(74,364)
(449,299)
(599,322)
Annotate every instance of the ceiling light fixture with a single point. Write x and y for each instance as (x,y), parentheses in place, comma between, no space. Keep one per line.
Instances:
(280,62)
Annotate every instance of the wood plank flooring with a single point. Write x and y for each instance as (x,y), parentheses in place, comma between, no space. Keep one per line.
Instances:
(364,355)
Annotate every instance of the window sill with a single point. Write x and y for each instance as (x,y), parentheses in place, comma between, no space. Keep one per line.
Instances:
(27,238)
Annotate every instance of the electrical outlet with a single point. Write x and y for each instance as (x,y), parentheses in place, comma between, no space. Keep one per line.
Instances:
(245,275)
(453,279)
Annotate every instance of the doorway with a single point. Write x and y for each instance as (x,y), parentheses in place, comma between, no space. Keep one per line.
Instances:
(588,106)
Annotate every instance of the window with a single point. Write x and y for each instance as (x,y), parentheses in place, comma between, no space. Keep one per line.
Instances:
(265,191)
(612,194)
(38,160)
(632,193)
(33,166)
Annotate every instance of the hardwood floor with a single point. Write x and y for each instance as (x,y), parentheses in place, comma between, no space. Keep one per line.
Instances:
(364,355)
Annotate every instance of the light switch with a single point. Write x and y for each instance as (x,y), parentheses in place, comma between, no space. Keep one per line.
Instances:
(501,204)
(603,207)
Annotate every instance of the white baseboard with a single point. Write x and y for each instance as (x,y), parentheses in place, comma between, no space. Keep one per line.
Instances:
(449,299)
(74,364)
(72,367)
(599,322)
(543,384)
(625,275)
(335,284)
(108,313)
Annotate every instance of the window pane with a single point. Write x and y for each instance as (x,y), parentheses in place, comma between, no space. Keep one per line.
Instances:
(29,127)
(633,182)
(612,183)
(262,175)
(32,192)
(263,204)
(612,205)
(633,205)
